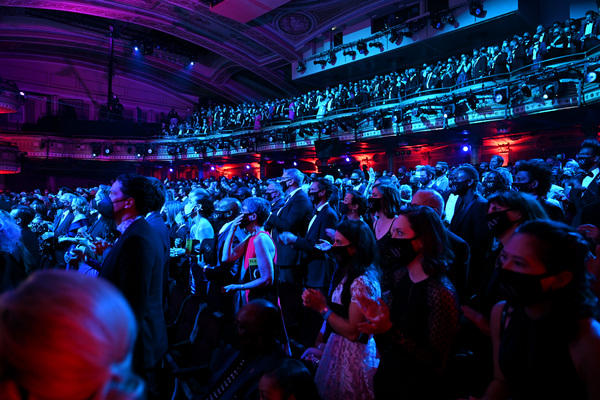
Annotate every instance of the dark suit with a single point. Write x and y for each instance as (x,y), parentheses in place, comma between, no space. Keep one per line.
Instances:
(469,223)
(158,224)
(458,271)
(135,265)
(318,266)
(479,67)
(592,41)
(293,217)
(61,225)
(583,197)
(102,227)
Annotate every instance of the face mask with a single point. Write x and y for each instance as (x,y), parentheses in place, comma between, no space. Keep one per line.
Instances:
(521,187)
(106,208)
(498,222)
(270,196)
(403,250)
(521,290)
(439,172)
(585,162)
(344,208)
(459,188)
(341,255)
(314,198)
(355,181)
(245,221)
(374,204)
(286,185)
(424,181)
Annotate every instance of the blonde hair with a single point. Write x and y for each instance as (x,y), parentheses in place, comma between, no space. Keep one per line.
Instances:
(64,335)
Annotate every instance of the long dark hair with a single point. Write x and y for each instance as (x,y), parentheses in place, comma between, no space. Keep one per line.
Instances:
(391,202)
(427,225)
(364,260)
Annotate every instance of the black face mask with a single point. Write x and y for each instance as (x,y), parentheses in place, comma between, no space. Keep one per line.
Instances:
(270,196)
(341,255)
(374,204)
(355,181)
(521,290)
(106,208)
(314,198)
(344,208)
(403,250)
(286,185)
(498,222)
(585,162)
(521,187)
(490,187)
(439,172)
(459,188)
(245,221)
(424,181)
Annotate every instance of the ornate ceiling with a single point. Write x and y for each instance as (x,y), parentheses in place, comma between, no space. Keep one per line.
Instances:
(237,62)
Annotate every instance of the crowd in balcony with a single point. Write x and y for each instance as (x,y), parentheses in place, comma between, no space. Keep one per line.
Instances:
(514,55)
(439,282)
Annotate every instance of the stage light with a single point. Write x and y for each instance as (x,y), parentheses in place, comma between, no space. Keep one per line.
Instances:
(191,63)
(449,110)
(350,53)
(332,58)
(376,44)
(591,77)
(361,47)
(247,166)
(436,22)
(320,62)
(407,34)
(501,96)
(96,150)
(212,168)
(476,8)
(295,164)
(347,159)
(136,48)
(550,91)
(465,148)
(393,36)
(108,149)
(472,101)
(150,150)
(448,19)
(301,67)
(526,90)
(170,169)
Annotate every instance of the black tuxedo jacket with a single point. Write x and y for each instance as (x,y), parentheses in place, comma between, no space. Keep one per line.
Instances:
(135,265)
(582,198)
(61,228)
(293,217)
(319,266)
(158,224)
(470,224)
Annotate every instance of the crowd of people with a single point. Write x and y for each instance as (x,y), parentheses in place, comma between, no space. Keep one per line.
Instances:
(439,282)
(514,55)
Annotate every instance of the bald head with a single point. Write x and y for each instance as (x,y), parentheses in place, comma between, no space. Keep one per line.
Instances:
(229,204)
(429,198)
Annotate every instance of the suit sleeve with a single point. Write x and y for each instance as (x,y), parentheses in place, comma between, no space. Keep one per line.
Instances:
(135,264)
(308,244)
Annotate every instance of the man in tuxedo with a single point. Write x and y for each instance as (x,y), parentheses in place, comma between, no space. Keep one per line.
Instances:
(135,266)
(293,217)
(479,64)
(588,191)
(590,31)
(469,220)
(319,267)
(274,194)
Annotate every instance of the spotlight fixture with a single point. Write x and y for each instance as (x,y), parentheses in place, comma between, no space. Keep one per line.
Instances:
(436,22)
(448,19)
(151,150)
(526,90)
(476,9)
(393,36)
(407,34)
(247,166)
(332,58)
(301,66)
(501,95)
(350,53)
(361,46)
(172,151)
(449,110)
(591,77)
(107,150)
(465,148)
(320,62)
(550,91)
(376,44)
